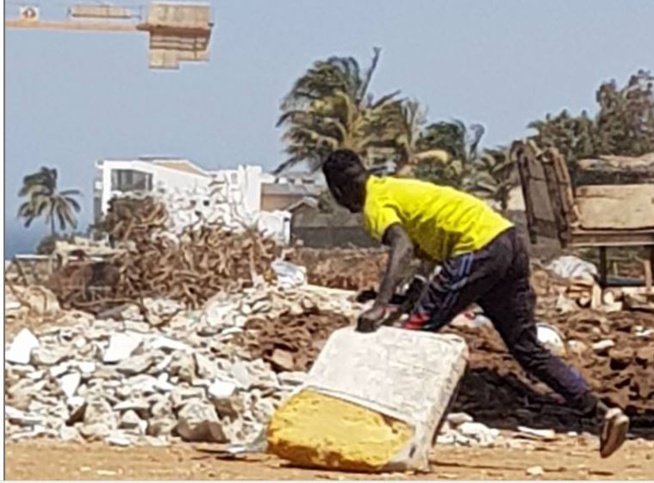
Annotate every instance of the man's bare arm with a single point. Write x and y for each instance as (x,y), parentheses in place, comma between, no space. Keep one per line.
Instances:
(401,247)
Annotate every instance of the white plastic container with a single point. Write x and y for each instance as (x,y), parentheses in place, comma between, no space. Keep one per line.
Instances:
(407,375)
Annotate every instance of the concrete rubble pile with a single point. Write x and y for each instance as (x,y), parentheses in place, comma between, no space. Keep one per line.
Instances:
(122,380)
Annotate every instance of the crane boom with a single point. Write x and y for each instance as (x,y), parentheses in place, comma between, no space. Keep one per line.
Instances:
(78,25)
(178,31)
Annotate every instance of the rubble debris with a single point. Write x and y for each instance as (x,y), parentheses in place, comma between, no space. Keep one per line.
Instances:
(126,382)
(20,350)
(189,267)
(292,342)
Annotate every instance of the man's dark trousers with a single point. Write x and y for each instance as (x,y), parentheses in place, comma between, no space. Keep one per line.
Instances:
(497,278)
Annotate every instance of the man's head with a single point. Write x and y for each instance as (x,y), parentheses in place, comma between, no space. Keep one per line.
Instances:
(346,178)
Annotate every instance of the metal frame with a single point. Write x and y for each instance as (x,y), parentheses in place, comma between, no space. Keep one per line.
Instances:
(565,225)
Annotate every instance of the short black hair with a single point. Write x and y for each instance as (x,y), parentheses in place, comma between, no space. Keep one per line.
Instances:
(342,167)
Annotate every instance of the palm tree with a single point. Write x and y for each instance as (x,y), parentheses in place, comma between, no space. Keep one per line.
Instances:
(460,143)
(330,107)
(405,125)
(495,176)
(44,199)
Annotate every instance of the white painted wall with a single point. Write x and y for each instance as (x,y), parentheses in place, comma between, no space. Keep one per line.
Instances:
(161,176)
(231,197)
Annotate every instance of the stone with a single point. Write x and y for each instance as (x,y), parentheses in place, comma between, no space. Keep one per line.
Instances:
(478,432)
(182,365)
(136,364)
(143,383)
(577,347)
(69,383)
(59,370)
(98,411)
(239,371)
(119,440)
(221,389)
(204,367)
(231,407)
(132,405)
(199,422)
(167,344)
(76,406)
(447,439)
(121,346)
(535,471)
(544,434)
(69,433)
(282,360)
(49,356)
(16,416)
(602,346)
(20,350)
(181,395)
(161,407)
(129,420)
(87,367)
(95,431)
(457,419)
(162,384)
(292,379)
(158,427)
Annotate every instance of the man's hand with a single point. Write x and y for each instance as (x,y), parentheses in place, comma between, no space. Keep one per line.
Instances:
(371,319)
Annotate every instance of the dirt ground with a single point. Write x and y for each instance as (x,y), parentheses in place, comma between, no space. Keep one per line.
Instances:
(567,459)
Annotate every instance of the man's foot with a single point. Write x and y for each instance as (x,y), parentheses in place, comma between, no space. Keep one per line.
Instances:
(614,431)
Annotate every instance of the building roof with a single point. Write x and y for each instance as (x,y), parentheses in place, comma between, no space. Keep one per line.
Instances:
(181,165)
(291,189)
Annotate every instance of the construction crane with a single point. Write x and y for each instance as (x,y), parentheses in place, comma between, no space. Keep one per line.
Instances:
(178,32)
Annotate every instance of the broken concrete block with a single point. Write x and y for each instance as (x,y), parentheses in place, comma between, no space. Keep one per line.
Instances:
(204,367)
(456,419)
(95,431)
(69,383)
(169,345)
(121,346)
(119,439)
(198,422)
(182,365)
(49,356)
(129,420)
(221,389)
(98,411)
(69,433)
(137,364)
(292,379)
(20,350)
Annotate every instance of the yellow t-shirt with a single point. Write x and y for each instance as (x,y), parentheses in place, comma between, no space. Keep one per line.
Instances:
(442,221)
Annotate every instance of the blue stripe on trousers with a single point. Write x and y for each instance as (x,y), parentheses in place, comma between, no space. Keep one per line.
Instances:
(453,289)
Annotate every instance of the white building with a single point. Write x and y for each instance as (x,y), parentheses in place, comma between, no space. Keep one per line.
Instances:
(191,193)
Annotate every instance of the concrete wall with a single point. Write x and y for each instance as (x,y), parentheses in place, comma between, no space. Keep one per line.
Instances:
(161,176)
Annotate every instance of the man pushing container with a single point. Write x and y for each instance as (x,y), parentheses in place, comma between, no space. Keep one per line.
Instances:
(482,261)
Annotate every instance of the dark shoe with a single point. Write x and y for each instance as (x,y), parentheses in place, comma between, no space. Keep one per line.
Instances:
(614,431)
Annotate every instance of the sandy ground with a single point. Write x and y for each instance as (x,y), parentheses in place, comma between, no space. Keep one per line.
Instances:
(566,459)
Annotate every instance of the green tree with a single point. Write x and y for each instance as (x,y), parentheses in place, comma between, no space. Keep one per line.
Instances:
(43,198)
(461,145)
(405,124)
(623,125)
(331,107)
(495,177)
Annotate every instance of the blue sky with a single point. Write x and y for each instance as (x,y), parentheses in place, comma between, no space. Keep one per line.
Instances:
(73,98)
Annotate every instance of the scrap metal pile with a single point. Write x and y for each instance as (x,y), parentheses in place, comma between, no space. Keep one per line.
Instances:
(189,268)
